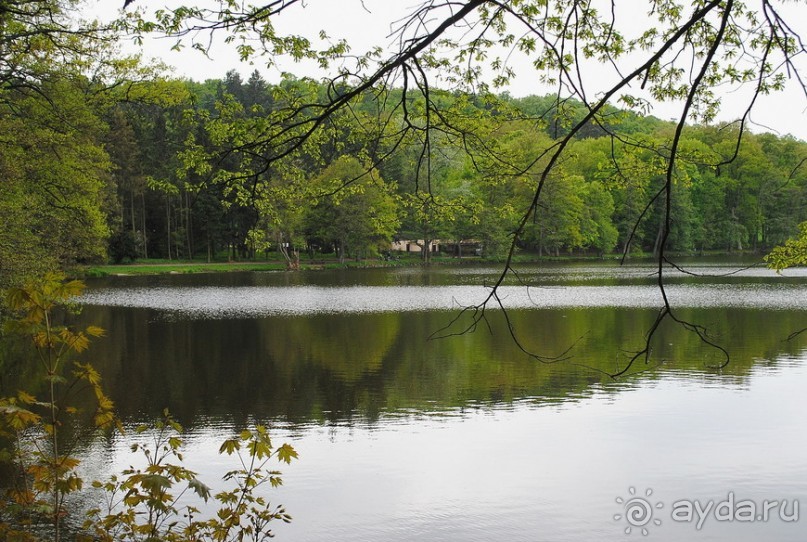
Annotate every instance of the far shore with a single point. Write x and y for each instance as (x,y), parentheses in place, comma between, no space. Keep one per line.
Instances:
(166,267)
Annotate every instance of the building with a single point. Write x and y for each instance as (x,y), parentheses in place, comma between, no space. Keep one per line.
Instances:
(412,245)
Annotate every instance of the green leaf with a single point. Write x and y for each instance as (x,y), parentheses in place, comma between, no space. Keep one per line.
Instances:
(286,453)
(229,446)
(155,483)
(199,488)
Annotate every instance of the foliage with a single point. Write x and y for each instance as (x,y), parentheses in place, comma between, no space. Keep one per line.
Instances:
(358,212)
(53,189)
(198,197)
(228,166)
(39,430)
(792,253)
(122,245)
(218,198)
(38,37)
(687,55)
(40,437)
(146,504)
(57,76)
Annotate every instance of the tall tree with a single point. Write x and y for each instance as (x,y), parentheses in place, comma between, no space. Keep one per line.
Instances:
(359,211)
(55,175)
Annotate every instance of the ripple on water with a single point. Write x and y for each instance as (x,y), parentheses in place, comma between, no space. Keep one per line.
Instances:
(252,301)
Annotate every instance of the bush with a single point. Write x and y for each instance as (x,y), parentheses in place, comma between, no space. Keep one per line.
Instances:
(37,438)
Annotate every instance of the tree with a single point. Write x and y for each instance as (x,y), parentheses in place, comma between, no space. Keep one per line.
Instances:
(597,229)
(792,253)
(40,37)
(55,176)
(56,75)
(143,136)
(42,445)
(358,212)
(282,205)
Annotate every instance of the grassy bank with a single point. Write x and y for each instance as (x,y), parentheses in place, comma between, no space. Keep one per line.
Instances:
(160,267)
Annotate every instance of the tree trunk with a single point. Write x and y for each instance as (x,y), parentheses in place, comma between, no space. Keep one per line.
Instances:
(145,234)
(168,224)
(426,251)
(541,243)
(188,226)
(659,237)
(289,253)
(132,213)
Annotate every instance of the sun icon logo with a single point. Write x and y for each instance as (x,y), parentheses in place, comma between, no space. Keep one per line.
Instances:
(638,511)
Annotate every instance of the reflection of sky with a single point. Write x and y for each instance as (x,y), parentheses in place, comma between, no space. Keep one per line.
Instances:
(529,473)
(250,301)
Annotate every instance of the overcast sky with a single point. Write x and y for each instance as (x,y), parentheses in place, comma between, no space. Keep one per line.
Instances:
(370,23)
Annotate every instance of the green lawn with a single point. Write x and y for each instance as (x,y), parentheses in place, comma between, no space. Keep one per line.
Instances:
(157,267)
(160,266)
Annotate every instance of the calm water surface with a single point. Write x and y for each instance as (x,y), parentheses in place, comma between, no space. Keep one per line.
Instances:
(467,438)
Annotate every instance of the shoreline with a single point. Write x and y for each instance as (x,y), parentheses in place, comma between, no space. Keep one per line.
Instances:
(162,267)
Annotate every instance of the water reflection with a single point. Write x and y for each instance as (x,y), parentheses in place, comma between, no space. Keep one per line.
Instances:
(533,470)
(349,366)
(467,438)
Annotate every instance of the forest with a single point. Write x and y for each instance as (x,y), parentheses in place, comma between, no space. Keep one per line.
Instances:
(163,168)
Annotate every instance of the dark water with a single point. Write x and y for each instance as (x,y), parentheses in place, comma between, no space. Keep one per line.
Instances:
(466,437)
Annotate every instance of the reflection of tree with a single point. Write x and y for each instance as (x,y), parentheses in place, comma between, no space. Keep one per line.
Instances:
(337,367)
(346,347)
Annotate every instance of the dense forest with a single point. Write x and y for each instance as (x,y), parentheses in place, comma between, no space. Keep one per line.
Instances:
(164,169)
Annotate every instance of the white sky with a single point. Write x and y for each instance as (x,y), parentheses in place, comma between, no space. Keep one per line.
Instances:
(368,23)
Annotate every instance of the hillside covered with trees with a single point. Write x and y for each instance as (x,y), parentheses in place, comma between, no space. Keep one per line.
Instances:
(164,169)
(107,159)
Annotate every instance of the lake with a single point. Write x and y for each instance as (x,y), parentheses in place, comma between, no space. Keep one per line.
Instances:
(403,436)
